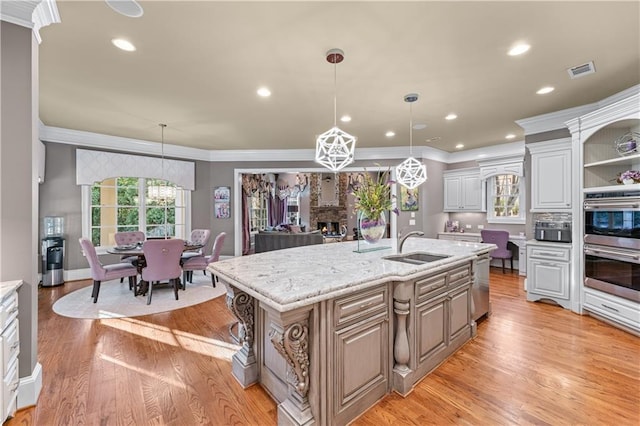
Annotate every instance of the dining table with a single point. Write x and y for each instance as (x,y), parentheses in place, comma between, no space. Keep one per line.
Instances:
(135,250)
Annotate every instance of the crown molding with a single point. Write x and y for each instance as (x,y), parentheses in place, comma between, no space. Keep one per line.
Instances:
(33,14)
(615,108)
(500,150)
(560,119)
(116,143)
(553,120)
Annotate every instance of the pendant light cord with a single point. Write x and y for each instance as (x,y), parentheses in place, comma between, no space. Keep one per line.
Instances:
(335,94)
(411,129)
(164,181)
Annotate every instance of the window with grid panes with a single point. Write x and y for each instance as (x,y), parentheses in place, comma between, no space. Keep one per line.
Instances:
(154,206)
(258,212)
(505,201)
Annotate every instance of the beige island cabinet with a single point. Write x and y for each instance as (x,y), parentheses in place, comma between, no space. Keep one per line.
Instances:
(329,331)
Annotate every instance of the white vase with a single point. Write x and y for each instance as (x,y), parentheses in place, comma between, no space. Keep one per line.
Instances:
(628,181)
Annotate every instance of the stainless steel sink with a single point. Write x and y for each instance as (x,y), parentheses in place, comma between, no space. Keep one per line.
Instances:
(416,258)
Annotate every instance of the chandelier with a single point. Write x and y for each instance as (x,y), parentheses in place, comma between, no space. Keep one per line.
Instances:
(335,148)
(411,173)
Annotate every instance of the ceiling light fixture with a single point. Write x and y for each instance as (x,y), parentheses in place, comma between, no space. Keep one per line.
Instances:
(510,136)
(129,8)
(335,149)
(460,146)
(545,90)
(123,44)
(519,49)
(264,92)
(345,118)
(451,116)
(411,173)
(390,134)
(419,126)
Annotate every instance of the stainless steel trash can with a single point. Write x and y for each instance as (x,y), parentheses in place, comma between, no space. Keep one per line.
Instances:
(52,261)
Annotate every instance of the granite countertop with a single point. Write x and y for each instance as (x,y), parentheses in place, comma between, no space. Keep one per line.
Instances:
(291,278)
(7,287)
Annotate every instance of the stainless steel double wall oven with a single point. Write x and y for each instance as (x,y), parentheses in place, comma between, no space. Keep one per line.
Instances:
(612,243)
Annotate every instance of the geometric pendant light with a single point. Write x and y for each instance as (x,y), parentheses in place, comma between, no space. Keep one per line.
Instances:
(335,148)
(411,173)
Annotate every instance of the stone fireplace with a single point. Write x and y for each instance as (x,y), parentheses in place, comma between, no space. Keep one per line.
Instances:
(333,217)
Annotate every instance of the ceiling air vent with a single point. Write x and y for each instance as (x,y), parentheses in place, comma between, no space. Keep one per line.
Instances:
(582,70)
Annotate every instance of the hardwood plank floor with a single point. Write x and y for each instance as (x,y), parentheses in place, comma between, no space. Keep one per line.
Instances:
(531,363)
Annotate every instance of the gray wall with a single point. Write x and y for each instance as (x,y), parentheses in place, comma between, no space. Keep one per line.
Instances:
(60,196)
(18,200)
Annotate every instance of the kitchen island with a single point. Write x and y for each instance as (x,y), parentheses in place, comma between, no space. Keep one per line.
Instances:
(328,331)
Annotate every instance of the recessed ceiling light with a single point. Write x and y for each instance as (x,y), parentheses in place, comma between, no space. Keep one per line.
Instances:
(419,126)
(510,136)
(519,49)
(545,90)
(264,92)
(129,8)
(123,44)
(451,116)
(390,134)
(482,155)
(460,146)
(345,118)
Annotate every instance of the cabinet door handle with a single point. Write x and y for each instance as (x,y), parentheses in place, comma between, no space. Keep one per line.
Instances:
(366,305)
(610,308)
(15,344)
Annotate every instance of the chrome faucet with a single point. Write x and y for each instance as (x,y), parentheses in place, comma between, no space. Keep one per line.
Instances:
(407,235)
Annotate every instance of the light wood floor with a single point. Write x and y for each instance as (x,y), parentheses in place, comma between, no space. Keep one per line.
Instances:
(531,363)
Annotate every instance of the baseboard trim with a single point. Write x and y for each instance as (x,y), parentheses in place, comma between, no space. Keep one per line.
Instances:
(29,388)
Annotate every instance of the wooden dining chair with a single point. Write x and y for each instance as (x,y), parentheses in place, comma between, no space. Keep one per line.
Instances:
(163,263)
(100,272)
(199,263)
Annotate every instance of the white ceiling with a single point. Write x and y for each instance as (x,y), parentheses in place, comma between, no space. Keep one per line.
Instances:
(198,65)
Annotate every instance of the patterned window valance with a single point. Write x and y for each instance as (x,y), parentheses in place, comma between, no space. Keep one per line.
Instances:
(96,166)
(267,183)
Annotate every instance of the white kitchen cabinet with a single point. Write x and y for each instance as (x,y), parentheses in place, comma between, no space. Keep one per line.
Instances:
(460,236)
(551,176)
(613,309)
(10,347)
(464,191)
(548,272)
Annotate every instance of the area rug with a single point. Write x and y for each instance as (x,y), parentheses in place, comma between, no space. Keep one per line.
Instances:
(117,301)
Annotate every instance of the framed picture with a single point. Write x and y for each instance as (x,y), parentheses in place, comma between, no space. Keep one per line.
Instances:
(221,205)
(222,193)
(408,199)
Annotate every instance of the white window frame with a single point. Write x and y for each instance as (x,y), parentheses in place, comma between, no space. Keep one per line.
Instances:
(86,214)
(491,193)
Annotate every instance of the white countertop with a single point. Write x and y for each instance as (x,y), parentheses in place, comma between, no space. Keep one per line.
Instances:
(7,287)
(477,234)
(291,278)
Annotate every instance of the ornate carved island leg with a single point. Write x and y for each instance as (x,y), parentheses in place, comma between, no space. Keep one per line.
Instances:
(243,364)
(291,339)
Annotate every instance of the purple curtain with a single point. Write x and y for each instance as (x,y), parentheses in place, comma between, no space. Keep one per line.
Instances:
(246,233)
(277,209)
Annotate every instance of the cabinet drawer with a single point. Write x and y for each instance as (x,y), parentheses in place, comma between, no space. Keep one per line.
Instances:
(10,345)
(625,311)
(360,305)
(428,287)
(459,275)
(8,309)
(10,389)
(549,253)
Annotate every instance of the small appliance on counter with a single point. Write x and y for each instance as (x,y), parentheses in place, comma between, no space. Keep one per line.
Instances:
(553,227)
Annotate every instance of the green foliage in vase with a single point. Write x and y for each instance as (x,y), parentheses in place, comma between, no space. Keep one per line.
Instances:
(373,196)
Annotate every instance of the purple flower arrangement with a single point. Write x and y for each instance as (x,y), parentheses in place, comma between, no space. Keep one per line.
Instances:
(633,175)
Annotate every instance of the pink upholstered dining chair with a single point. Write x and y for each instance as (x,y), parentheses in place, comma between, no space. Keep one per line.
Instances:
(197,237)
(100,272)
(199,263)
(126,238)
(501,239)
(163,263)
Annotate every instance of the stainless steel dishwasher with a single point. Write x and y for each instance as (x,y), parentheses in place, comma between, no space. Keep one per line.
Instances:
(480,288)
